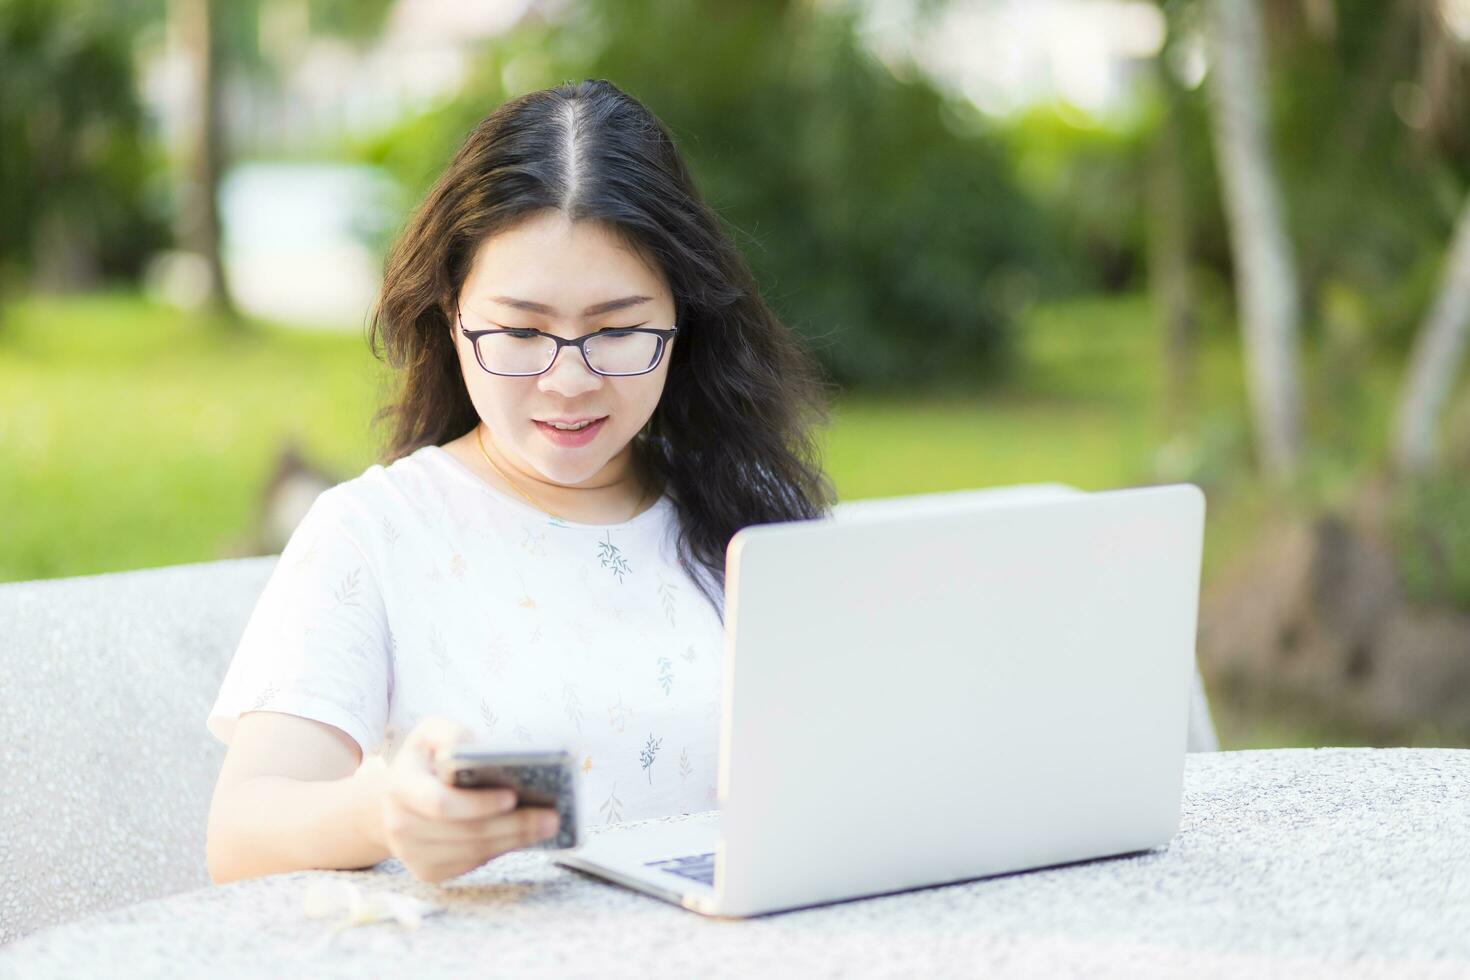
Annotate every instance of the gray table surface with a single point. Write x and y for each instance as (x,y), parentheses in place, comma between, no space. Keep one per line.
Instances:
(1292,862)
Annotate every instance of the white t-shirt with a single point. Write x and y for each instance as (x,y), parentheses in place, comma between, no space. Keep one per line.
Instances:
(418,589)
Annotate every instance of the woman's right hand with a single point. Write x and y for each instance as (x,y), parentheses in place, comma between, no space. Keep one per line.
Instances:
(440,831)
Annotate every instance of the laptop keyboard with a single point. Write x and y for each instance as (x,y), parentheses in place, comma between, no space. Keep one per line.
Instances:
(696,867)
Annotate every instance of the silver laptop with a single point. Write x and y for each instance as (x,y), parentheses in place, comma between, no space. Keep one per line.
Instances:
(923,690)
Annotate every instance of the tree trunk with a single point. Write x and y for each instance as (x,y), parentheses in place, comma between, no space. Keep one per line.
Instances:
(1266,284)
(1168,259)
(1438,349)
(198,228)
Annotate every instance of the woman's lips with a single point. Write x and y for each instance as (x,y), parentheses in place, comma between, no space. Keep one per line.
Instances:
(570,439)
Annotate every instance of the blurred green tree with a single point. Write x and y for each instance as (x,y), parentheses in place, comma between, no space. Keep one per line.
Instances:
(196,24)
(75,204)
(882,220)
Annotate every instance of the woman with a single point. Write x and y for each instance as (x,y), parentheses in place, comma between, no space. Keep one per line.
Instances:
(594,398)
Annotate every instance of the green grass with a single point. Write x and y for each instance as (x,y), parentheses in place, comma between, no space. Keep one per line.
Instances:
(1083,411)
(132,436)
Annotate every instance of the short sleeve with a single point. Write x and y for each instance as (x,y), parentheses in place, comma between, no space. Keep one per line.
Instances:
(316,644)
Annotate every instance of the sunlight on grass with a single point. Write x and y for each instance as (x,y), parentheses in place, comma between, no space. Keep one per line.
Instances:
(132,436)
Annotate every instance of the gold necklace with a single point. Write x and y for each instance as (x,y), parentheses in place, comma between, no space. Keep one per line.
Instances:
(480,441)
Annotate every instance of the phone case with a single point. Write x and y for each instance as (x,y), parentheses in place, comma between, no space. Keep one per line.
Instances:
(539,779)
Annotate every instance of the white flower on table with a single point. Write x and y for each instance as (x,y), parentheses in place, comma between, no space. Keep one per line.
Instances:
(328,898)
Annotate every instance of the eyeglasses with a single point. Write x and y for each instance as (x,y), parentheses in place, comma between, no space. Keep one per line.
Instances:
(523,353)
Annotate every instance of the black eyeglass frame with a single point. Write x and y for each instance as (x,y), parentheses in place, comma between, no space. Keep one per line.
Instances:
(664,336)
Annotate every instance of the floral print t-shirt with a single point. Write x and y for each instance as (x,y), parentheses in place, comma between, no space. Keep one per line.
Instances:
(417,589)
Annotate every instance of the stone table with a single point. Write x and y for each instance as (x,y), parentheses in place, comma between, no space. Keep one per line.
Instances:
(1291,862)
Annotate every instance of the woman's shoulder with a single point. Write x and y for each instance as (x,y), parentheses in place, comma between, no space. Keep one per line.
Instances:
(405,487)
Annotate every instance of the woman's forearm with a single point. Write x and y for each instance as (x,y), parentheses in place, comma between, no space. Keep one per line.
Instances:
(270,824)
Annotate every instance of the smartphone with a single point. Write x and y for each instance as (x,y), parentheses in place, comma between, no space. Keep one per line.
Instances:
(538,778)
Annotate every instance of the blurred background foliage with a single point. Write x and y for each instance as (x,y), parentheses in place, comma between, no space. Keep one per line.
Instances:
(852,229)
(80,192)
(1015,291)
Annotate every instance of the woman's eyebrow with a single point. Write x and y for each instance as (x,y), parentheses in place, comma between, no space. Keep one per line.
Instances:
(593,310)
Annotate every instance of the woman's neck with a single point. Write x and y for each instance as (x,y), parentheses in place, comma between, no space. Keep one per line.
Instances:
(616,494)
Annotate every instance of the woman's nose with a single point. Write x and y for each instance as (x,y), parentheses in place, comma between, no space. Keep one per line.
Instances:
(569,374)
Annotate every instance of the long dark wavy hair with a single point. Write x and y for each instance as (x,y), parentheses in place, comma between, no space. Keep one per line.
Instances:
(731,440)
